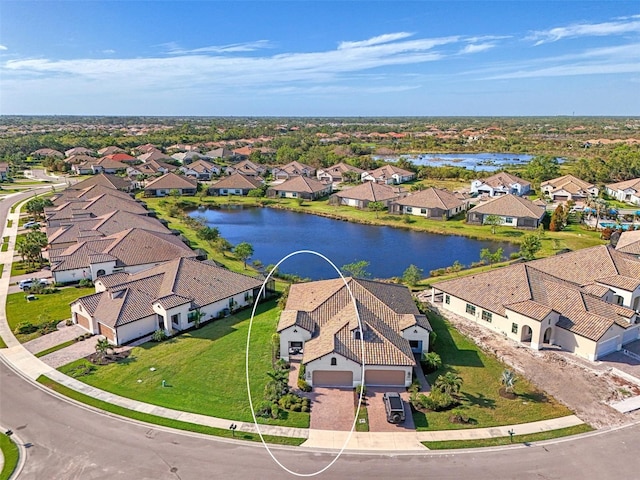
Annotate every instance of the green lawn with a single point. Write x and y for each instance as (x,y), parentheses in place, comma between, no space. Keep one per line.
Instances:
(2,344)
(166,422)
(497,441)
(363,414)
(53,306)
(481,374)
(204,369)
(55,348)
(11,456)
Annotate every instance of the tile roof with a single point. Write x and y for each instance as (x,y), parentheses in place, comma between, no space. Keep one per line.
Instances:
(629,242)
(105,179)
(509,206)
(300,184)
(170,181)
(431,198)
(527,289)
(93,207)
(294,168)
(389,170)
(130,297)
(569,183)
(370,191)
(237,180)
(325,308)
(339,169)
(503,179)
(633,184)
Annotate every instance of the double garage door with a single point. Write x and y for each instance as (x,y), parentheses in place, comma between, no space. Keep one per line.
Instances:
(373,378)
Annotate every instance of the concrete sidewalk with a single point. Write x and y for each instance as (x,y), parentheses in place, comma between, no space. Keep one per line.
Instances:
(20,359)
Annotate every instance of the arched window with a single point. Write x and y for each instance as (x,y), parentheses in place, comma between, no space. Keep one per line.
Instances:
(357,335)
(334,361)
(100,273)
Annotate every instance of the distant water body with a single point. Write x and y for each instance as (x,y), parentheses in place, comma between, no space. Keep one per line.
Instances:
(276,233)
(488,162)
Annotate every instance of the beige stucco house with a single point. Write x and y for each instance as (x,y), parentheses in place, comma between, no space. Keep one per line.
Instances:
(584,301)
(386,333)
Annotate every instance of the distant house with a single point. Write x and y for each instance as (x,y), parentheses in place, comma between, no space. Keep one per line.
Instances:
(98,165)
(627,191)
(292,169)
(71,210)
(388,174)
(110,150)
(107,180)
(337,173)
(151,168)
(47,152)
(360,196)
(568,188)
(186,158)
(242,153)
(246,168)
(235,184)
(130,250)
(502,183)
(320,320)
(153,155)
(514,211)
(79,158)
(300,187)
(201,170)
(168,297)
(4,171)
(432,202)
(123,158)
(164,185)
(78,151)
(221,152)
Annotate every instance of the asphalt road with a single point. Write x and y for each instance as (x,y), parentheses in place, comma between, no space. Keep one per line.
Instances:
(67,441)
(71,442)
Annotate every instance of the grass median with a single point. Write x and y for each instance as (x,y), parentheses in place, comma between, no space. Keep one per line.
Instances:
(165,422)
(497,441)
(11,456)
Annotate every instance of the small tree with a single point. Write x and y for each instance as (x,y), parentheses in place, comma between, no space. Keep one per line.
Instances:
(530,245)
(493,221)
(243,251)
(197,317)
(102,348)
(432,361)
(456,267)
(449,383)
(210,234)
(508,380)
(356,269)
(376,207)
(491,257)
(412,275)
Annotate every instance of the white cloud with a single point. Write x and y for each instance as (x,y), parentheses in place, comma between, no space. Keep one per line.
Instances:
(108,51)
(617,27)
(386,38)
(2,47)
(477,47)
(174,49)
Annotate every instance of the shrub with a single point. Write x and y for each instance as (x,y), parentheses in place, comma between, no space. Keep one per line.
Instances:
(264,409)
(85,282)
(48,327)
(361,388)
(159,335)
(303,385)
(304,409)
(515,255)
(282,364)
(439,401)
(25,327)
(69,322)
(431,361)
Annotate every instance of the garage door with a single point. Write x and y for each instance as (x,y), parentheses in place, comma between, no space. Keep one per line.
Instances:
(83,321)
(386,378)
(324,378)
(107,332)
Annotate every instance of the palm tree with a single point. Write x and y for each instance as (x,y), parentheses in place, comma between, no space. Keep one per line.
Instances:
(102,348)
(508,380)
(449,383)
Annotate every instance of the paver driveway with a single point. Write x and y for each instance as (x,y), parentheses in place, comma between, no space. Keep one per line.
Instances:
(332,408)
(378,416)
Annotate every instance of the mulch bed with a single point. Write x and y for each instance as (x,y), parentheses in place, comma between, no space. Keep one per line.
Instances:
(508,395)
(107,359)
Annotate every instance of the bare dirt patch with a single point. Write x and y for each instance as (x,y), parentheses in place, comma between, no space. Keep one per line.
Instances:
(587,388)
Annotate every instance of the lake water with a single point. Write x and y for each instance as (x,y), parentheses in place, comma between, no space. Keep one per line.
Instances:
(487,162)
(276,233)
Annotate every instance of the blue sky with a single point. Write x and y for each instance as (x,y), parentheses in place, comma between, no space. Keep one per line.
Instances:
(320,58)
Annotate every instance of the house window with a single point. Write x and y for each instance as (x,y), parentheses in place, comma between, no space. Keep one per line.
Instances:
(357,335)
(334,361)
(447,299)
(508,220)
(100,273)
(409,209)
(487,316)
(514,328)
(191,316)
(294,194)
(471,309)
(175,319)
(423,211)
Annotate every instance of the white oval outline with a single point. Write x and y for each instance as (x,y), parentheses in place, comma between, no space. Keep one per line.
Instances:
(253,413)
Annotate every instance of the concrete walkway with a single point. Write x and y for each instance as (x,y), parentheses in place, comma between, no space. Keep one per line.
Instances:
(23,361)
